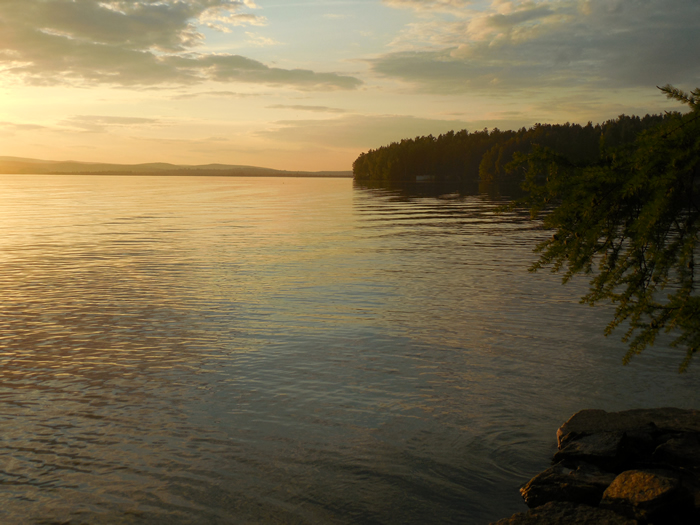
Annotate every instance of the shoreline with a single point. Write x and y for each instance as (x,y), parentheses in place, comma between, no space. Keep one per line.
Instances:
(639,466)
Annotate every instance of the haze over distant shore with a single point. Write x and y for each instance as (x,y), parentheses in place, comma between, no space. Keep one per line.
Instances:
(18,165)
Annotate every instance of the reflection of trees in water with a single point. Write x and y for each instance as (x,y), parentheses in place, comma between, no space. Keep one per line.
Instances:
(445,189)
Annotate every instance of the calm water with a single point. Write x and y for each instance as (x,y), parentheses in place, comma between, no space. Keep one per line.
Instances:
(233,350)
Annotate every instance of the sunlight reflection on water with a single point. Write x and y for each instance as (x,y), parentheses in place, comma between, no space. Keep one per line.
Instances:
(242,350)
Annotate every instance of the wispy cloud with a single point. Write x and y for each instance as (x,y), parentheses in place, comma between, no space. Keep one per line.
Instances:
(300,107)
(261,41)
(135,43)
(223,22)
(214,94)
(101,123)
(17,126)
(357,131)
(430,5)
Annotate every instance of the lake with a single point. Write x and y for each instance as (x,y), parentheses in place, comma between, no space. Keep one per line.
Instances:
(298,351)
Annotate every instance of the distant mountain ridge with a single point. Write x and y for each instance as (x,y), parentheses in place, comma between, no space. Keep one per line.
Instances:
(19,165)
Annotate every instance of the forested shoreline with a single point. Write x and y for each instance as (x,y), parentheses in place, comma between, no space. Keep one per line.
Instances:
(463,158)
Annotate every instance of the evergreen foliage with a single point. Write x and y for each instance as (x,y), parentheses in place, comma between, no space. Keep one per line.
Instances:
(622,197)
(631,221)
(485,156)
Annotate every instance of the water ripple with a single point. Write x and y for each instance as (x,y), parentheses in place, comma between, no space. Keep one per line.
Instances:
(211,350)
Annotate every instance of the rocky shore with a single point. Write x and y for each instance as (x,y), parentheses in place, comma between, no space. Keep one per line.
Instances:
(632,467)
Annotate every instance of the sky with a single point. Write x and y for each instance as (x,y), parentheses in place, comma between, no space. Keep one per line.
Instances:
(309,85)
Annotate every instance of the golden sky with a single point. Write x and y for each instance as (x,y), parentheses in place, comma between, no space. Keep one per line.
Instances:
(308,85)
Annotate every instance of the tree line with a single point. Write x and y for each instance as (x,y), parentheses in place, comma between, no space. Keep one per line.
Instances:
(622,199)
(461,158)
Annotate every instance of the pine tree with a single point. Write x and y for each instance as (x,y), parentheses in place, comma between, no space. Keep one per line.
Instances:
(630,221)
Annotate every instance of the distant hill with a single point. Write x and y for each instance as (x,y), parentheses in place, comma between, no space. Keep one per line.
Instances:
(18,165)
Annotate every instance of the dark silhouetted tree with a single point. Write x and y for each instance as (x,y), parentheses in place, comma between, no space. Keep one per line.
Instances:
(630,221)
(484,156)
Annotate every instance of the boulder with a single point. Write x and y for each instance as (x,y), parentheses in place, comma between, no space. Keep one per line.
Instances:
(691,483)
(558,513)
(682,451)
(584,485)
(637,466)
(646,494)
(605,449)
(588,422)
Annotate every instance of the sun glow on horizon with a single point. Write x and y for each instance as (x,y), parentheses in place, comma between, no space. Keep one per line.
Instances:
(310,86)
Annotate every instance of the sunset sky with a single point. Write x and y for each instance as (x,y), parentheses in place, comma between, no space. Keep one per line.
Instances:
(308,85)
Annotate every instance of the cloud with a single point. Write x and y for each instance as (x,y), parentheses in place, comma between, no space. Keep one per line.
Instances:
(134,43)
(318,109)
(214,94)
(230,68)
(261,41)
(222,23)
(22,127)
(358,131)
(516,45)
(101,123)
(430,5)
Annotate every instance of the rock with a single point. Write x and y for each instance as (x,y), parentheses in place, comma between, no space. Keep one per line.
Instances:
(640,443)
(681,451)
(584,485)
(605,449)
(588,422)
(558,513)
(646,494)
(637,466)
(611,451)
(691,483)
